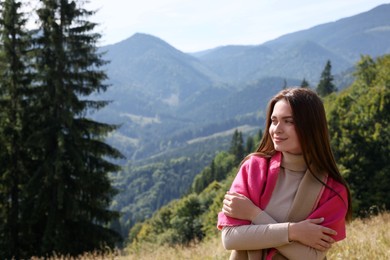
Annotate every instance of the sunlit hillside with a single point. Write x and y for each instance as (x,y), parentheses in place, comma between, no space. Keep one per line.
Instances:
(366,239)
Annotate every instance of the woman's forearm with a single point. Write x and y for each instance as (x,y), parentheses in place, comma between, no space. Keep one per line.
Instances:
(294,250)
(255,237)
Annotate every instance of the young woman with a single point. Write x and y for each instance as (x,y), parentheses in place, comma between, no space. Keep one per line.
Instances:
(288,200)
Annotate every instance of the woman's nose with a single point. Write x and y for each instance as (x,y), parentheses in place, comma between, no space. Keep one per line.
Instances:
(278,128)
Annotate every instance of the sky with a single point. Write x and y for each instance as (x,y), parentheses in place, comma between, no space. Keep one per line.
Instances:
(196,25)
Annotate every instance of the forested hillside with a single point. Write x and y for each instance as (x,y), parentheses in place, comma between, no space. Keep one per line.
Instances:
(358,118)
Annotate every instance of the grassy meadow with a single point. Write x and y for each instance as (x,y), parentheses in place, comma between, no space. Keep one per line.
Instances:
(366,239)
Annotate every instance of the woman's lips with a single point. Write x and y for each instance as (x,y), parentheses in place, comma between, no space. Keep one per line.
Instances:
(279,139)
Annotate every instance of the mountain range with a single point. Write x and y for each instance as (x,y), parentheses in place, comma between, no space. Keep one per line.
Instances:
(163,98)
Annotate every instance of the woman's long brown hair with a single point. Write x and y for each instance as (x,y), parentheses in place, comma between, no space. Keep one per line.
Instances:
(312,130)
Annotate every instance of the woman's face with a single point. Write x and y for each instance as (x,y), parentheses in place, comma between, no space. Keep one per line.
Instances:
(282,129)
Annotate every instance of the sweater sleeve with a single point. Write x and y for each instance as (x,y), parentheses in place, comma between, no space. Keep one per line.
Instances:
(254,237)
(294,250)
(265,232)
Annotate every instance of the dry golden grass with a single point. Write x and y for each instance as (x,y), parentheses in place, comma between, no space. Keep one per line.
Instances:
(207,250)
(106,254)
(366,239)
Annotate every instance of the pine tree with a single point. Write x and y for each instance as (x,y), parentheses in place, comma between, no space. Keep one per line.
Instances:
(69,190)
(250,145)
(304,83)
(237,146)
(14,84)
(326,86)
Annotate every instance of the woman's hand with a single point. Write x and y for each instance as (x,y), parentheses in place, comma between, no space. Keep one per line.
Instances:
(309,232)
(238,206)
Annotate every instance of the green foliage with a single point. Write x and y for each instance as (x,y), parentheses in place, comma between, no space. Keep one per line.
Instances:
(185,220)
(250,144)
(54,191)
(14,84)
(189,218)
(193,216)
(146,188)
(216,171)
(326,86)
(223,162)
(216,192)
(359,123)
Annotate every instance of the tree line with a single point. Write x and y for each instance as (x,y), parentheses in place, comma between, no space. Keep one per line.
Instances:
(54,163)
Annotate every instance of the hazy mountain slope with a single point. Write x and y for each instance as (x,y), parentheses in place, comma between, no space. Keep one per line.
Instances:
(234,63)
(303,54)
(365,33)
(299,60)
(149,65)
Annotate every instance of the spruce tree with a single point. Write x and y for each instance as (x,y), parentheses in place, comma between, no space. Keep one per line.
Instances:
(250,145)
(69,189)
(326,86)
(304,83)
(14,84)
(237,146)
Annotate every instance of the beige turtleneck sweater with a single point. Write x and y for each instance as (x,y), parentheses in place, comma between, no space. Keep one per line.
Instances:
(269,229)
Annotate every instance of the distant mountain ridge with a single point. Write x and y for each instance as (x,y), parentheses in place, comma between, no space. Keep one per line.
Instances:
(150,78)
(303,54)
(345,36)
(148,63)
